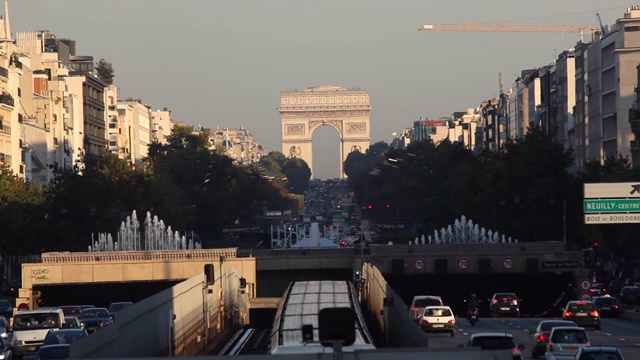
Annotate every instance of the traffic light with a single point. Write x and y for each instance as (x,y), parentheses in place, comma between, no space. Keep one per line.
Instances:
(357,274)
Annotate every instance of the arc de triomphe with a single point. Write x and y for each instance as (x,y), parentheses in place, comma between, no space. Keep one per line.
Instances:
(302,112)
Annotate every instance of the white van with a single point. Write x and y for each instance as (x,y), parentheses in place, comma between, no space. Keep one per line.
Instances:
(30,328)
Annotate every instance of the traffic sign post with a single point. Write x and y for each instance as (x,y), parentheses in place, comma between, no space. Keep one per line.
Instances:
(419,264)
(585,285)
(585,296)
(463,263)
(508,263)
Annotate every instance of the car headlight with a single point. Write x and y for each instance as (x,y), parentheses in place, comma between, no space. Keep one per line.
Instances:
(16,342)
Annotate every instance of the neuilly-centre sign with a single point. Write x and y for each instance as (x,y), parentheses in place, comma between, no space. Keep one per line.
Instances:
(612,203)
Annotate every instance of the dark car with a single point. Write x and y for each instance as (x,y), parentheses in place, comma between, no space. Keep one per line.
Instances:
(4,327)
(599,353)
(56,351)
(115,307)
(540,336)
(496,341)
(504,304)
(6,308)
(71,310)
(64,336)
(630,295)
(583,313)
(608,306)
(72,322)
(94,319)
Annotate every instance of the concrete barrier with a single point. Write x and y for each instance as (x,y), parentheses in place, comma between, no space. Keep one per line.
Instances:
(630,315)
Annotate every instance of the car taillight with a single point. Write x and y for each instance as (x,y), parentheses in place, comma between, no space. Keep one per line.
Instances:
(588,344)
(425,321)
(451,321)
(550,347)
(542,337)
(594,313)
(515,351)
(568,313)
(615,306)
(415,309)
(514,302)
(101,324)
(495,301)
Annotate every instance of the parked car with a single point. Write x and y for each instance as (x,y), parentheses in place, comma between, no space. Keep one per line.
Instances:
(496,341)
(56,351)
(608,306)
(420,302)
(599,352)
(64,336)
(6,308)
(584,313)
(630,295)
(438,319)
(504,304)
(93,319)
(540,336)
(565,341)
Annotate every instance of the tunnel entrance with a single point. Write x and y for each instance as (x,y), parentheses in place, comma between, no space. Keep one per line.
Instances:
(99,294)
(542,294)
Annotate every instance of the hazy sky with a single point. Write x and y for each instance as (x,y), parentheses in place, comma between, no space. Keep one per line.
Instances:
(223,63)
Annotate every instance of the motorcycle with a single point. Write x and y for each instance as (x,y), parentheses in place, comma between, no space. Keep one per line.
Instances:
(472,316)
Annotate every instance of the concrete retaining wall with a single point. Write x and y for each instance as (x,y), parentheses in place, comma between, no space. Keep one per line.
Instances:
(398,329)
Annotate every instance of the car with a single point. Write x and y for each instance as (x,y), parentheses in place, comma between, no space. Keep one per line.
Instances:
(115,307)
(71,310)
(504,304)
(540,336)
(584,313)
(565,341)
(4,327)
(64,336)
(72,322)
(496,341)
(420,302)
(6,308)
(93,319)
(599,353)
(3,349)
(630,295)
(438,319)
(608,306)
(56,351)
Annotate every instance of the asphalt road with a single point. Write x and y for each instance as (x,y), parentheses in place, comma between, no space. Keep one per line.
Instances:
(621,333)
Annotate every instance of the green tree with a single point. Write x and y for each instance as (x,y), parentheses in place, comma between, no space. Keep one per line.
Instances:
(105,71)
(22,213)
(298,175)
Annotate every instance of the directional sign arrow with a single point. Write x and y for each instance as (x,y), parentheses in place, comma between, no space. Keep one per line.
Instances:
(635,189)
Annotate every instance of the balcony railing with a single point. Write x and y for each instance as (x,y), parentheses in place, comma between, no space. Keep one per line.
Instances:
(4,129)
(6,99)
(6,158)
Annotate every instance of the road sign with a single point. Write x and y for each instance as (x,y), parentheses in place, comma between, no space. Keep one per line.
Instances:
(508,263)
(419,264)
(585,284)
(596,206)
(585,296)
(612,190)
(463,263)
(612,218)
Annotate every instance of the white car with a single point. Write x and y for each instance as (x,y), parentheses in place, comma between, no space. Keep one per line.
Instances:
(438,319)
(565,341)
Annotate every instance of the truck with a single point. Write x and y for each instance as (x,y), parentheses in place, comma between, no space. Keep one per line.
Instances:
(30,328)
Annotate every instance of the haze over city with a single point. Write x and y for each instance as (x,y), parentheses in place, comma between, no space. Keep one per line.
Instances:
(224,63)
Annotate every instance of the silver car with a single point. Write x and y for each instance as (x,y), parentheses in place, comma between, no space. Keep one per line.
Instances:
(565,341)
(420,302)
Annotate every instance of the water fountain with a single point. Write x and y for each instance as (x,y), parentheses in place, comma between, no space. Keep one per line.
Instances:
(157,236)
(465,231)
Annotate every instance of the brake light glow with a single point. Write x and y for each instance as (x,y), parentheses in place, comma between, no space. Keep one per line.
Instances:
(415,309)
(568,313)
(542,337)
(425,321)
(594,313)
(451,321)
(495,301)
(514,301)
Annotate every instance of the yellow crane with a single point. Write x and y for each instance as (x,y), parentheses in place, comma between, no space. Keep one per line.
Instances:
(495,27)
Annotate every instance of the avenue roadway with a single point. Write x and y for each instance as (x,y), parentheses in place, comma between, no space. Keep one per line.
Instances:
(621,333)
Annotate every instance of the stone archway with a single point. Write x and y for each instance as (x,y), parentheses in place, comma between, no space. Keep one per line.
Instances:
(302,112)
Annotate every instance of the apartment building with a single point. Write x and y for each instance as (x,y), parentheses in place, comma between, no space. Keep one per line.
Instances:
(238,144)
(135,135)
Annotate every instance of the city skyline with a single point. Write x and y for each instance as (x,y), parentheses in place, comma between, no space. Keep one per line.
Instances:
(224,63)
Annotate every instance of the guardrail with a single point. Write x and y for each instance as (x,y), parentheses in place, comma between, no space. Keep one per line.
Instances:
(189,254)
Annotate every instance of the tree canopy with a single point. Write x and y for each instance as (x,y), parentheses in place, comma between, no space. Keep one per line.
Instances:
(104,71)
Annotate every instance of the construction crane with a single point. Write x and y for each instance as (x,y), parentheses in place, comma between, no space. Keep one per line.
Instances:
(495,27)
